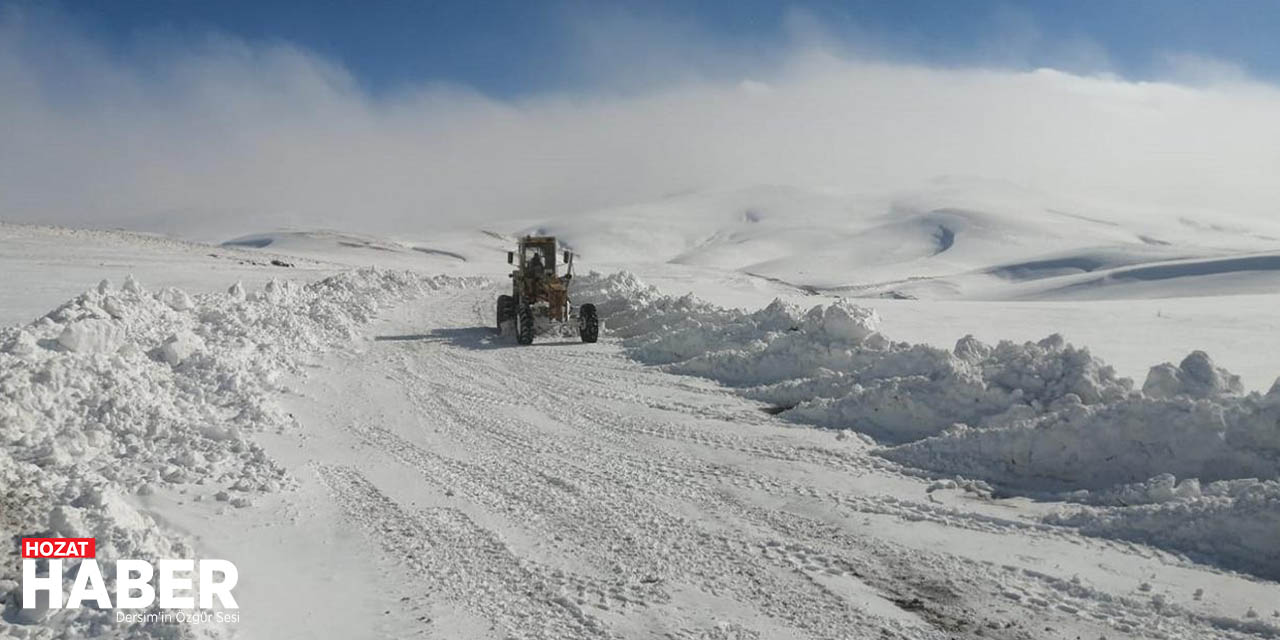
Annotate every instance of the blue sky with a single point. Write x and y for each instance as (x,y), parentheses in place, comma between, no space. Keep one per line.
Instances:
(515,48)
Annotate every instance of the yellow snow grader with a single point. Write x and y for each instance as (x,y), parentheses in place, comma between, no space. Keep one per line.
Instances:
(539,297)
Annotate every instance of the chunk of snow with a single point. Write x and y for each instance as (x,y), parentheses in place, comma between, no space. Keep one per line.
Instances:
(23,343)
(69,522)
(1196,377)
(844,321)
(177,299)
(113,306)
(180,346)
(91,336)
(131,285)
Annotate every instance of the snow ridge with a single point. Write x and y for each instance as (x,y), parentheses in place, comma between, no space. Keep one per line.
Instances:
(124,390)
(1043,418)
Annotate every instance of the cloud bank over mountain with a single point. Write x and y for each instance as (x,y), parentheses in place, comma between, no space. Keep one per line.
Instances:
(213,136)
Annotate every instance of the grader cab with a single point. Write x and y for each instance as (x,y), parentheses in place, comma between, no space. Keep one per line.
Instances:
(540,293)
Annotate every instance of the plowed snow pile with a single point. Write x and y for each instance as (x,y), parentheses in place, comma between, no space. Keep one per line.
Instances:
(1037,418)
(121,391)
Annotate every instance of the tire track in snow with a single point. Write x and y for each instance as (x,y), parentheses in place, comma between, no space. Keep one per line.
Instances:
(608,516)
(644,541)
(467,563)
(596,463)
(695,481)
(682,477)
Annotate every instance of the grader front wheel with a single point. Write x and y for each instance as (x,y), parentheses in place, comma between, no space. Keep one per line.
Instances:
(588,323)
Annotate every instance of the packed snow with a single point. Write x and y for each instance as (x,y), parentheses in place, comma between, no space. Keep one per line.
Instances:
(1040,419)
(123,391)
(1229,522)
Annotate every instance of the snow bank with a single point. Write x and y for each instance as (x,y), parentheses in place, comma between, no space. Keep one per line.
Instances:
(1196,431)
(122,391)
(1040,416)
(1037,418)
(1234,523)
(831,366)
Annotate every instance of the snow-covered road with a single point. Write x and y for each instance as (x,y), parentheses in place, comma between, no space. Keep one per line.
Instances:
(563,491)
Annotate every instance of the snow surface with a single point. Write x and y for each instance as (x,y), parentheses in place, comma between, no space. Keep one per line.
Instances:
(1034,418)
(123,391)
(923,436)
(564,490)
(960,239)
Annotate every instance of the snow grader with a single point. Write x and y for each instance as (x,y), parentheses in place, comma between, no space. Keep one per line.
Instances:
(539,298)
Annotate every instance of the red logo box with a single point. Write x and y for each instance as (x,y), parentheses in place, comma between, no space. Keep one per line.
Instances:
(58,547)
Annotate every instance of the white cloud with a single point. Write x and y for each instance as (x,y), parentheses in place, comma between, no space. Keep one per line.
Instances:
(1201,70)
(219,137)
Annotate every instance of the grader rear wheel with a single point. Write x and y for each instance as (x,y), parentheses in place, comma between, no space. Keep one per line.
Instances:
(506,310)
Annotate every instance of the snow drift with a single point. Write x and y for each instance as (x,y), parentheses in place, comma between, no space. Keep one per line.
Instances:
(1042,418)
(124,390)
(1233,522)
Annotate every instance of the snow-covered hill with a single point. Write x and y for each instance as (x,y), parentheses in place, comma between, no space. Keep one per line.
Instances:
(445,251)
(959,240)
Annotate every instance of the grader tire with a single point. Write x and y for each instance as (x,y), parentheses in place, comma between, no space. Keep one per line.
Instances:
(506,310)
(588,323)
(524,324)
